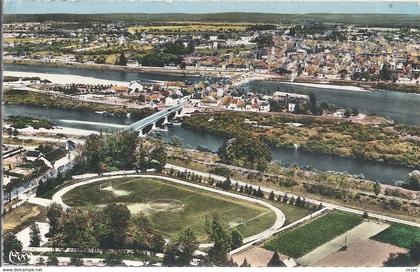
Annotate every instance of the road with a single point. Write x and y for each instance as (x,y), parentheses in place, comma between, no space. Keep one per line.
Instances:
(280,217)
(312,201)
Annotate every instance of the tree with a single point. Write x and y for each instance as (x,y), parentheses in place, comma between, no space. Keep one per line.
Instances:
(414,181)
(76,261)
(35,236)
(41,261)
(245,263)
(347,113)
(77,229)
(158,157)
(93,153)
(320,206)
(398,260)
(121,147)
(385,74)
(415,253)
(376,188)
(221,241)
(113,259)
(10,243)
(271,196)
(249,152)
(54,213)
(52,260)
(142,162)
(312,99)
(275,261)
(180,253)
(122,60)
(117,218)
(236,239)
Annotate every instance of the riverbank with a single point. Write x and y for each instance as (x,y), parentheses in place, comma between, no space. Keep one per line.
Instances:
(379,143)
(65,79)
(20,97)
(328,86)
(144,69)
(350,85)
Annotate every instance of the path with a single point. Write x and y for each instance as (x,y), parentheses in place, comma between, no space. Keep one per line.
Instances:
(280,217)
(361,232)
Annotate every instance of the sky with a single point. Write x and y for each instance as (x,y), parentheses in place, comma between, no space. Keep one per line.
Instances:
(211,6)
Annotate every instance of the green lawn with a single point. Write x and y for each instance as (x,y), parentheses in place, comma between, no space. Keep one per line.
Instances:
(399,235)
(198,205)
(299,241)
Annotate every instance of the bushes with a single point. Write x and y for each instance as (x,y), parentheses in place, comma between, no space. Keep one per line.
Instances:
(317,135)
(324,190)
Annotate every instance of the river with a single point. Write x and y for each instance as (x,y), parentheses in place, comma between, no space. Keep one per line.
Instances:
(375,171)
(102,74)
(400,107)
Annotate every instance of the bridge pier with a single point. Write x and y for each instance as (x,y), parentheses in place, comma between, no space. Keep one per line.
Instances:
(166,120)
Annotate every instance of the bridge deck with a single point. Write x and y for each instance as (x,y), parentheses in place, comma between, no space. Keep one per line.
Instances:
(155,117)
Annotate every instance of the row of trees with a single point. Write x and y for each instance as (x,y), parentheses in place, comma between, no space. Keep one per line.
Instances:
(249,190)
(111,228)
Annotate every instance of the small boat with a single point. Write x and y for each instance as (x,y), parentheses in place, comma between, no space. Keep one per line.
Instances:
(296,146)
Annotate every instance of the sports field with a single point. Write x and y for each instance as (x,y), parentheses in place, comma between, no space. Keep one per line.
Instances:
(300,241)
(172,207)
(399,235)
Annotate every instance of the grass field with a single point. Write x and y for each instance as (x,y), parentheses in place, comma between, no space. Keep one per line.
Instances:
(399,235)
(299,241)
(190,206)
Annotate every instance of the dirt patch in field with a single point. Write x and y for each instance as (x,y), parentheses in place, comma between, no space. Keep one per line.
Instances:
(361,253)
(116,192)
(166,205)
(136,208)
(158,205)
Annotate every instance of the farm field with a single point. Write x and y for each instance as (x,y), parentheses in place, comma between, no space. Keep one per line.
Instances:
(299,241)
(172,207)
(399,235)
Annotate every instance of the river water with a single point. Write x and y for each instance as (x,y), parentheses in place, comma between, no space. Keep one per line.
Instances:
(399,106)
(94,121)
(101,74)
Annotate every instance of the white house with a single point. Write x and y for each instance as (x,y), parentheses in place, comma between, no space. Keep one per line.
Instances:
(291,107)
(265,107)
(172,100)
(135,86)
